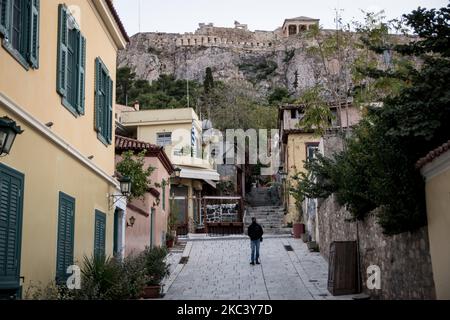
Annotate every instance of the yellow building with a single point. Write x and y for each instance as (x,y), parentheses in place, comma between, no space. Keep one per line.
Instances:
(435,167)
(57,74)
(297,145)
(179,131)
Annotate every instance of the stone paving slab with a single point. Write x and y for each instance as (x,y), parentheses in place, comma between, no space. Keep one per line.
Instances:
(221,269)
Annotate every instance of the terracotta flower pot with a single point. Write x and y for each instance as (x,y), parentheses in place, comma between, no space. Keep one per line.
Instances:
(298,229)
(169,243)
(152,292)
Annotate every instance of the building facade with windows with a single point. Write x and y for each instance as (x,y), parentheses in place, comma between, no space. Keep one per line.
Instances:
(57,73)
(180,132)
(298,145)
(147,217)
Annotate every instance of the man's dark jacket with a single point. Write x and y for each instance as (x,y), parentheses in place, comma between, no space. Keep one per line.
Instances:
(255,231)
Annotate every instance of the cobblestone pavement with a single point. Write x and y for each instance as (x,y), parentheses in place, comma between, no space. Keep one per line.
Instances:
(221,270)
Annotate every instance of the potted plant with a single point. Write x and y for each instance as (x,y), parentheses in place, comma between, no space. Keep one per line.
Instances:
(170,238)
(298,228)
(172,220)
(156,269)
(305,237)
(296,190)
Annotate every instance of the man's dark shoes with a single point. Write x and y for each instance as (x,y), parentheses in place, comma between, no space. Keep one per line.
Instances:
(252,263)
(257,262)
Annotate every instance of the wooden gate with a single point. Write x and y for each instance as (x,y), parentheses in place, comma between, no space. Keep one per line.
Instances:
(343,268)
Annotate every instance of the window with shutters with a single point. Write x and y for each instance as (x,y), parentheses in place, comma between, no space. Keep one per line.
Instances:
(65,245)
(164,139)
(71,62)
(19,27)
(11,203)
(100,234)
(103,103)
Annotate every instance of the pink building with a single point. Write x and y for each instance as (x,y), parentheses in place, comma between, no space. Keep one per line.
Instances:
(150,213)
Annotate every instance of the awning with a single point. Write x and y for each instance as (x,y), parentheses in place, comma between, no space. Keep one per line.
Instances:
(211,183)
(198,173)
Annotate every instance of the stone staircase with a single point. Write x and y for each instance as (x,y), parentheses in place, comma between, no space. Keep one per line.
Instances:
(265,206)
(271,218)
(261,197)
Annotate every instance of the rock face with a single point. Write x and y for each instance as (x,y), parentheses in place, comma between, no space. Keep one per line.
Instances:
(266,59)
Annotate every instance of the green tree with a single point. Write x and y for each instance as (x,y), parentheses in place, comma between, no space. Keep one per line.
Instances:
(134,167)
(377,169)
(125,80)
(317,114)
(208,84)
(295,84)
(278,96)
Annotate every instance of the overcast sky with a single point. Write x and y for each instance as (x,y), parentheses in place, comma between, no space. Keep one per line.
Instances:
(181,16)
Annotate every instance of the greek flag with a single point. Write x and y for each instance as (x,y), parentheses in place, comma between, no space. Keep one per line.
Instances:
(193,142)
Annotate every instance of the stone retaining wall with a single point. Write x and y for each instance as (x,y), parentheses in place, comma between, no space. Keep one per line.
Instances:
(404,259)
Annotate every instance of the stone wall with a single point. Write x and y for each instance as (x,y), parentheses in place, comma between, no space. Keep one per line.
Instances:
(404,259)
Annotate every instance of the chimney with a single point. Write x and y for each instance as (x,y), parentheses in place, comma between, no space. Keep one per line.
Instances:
(136,106)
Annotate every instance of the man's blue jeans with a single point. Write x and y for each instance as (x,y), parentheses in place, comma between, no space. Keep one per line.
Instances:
(255,250)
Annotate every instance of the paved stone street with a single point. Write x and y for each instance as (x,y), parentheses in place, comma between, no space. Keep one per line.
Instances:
(220,269)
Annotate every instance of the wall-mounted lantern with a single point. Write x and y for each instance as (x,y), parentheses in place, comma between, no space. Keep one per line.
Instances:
(125,190)
(282,173)
(8,131)
(125,186)
(131,222)
(176,176)
(177,173)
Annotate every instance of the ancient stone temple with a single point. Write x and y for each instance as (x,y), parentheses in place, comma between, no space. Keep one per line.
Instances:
(295,26)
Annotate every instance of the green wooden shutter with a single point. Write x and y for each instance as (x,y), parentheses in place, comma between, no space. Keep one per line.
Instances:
(98,96)
(33,36)
(11,203)
(100,234)
(65,245)
(164,196)
(5,13)
(63,38)
(152,227)
(109,110)
(81,73)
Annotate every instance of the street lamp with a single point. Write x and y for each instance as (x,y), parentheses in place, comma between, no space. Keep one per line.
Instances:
(176,176)
(125,190)
(283,174)
(125,186)
(177,173)
(8,131)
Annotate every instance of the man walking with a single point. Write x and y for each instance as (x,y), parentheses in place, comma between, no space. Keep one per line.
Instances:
(255,232)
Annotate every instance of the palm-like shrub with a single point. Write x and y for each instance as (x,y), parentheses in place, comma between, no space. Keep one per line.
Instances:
(101,279)
(156,267)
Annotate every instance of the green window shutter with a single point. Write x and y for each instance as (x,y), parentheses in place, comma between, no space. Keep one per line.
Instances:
(5,12)
(152,226)
(164,197)
(65,245)
(98,96)
(33,36)
(11,203)
(100,234)
(63,38)
(109,110)
(81,73)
